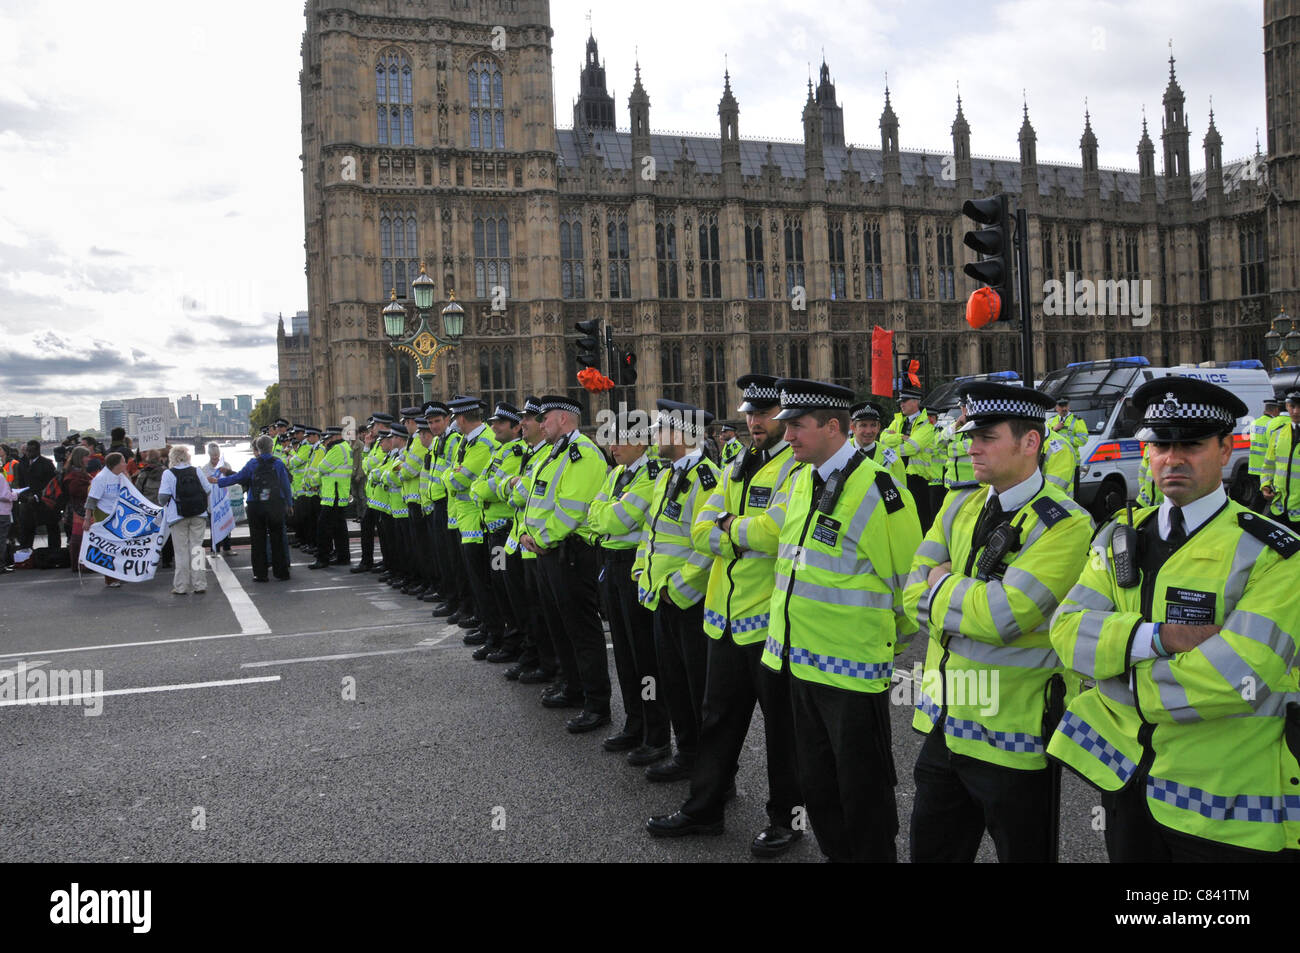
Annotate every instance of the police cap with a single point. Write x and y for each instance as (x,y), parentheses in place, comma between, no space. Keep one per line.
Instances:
(988,403)
(799,397)
(760,393)
(1183,410)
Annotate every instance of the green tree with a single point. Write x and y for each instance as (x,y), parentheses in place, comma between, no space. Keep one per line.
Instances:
(265,410)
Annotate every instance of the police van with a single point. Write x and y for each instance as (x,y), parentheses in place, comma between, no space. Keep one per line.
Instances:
(1101,392)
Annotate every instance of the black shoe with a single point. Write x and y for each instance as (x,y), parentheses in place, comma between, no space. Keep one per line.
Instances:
(469,623)
(480,653)
(643,755)
(500,656)
(412,588)
(563,699)
(361,567)
(674,769)
(587,721)
(259,579)
(318,565)
(477,638)
(342,562)
(443,611)
(678,824)
(513,672)
(397,582)
(383,578)
(455,617)
(623,741)
(773,841)
(431,597)
(535,676)
(379,568)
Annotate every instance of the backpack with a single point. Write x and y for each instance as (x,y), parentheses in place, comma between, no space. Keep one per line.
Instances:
(53,495)
(264,497)
(190,498)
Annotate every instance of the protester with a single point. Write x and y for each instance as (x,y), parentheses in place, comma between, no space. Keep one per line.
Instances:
(34,472)
(217,465)
(186,495)
(76,484)
(148,480)
(7,497)
(101,498)
(268,501)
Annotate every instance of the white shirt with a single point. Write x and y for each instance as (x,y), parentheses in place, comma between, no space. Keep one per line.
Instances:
(838,460)
(637,464)
(475,432)
(1014,497)
(1195,514)
(103,489)
(686,460)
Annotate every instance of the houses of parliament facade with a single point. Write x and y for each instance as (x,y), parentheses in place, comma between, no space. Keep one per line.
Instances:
(429,136)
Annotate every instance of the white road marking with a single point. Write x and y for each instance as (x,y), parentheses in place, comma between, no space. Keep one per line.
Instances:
(334,658)
(328,588)
(120,645)
(246,614)
(137,691)
(362,628)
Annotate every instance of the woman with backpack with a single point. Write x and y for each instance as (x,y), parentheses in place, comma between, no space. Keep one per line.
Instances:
(185,494)
(76,484)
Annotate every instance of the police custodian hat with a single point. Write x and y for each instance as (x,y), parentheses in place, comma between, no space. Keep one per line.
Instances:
(988,403)
(799,397)
(867,410)
(760,393)
(1180,409)
(683,417)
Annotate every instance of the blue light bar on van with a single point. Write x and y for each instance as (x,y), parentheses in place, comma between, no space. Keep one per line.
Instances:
(992,376)
(1289,367)
(1253,364)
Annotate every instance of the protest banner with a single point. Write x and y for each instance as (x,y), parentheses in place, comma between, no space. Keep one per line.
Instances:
(223,516)
(150,433)
(128,543)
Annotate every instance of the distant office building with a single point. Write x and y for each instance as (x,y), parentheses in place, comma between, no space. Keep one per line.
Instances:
(19,428)
(244,403)
(112,413)
(152,407)
(188,406)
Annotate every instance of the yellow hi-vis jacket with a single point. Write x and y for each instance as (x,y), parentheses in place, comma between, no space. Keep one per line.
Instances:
(1060,463)
(739,594)
(564,484)
(837,600)
(491,489)
(621,509)
(1207,726)
(887,459)
(518,492)
(911,438)
(989,659)
(666,558)
(1262,435)
(1283,466)
(1071,428)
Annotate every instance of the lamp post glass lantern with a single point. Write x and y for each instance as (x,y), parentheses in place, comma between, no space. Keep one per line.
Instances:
(422,345)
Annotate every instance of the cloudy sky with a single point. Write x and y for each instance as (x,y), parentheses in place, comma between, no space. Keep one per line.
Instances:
(151,220)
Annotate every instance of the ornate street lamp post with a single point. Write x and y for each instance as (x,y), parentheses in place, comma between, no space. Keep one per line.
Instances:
(422,345)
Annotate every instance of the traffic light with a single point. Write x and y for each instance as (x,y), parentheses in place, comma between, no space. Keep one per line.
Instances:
(590,346)
(627,369)
(995,301)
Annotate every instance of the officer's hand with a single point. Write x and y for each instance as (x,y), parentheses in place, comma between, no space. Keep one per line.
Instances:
(1267,491)
(527,542)
(724,524)
(1181,637)
(939,571)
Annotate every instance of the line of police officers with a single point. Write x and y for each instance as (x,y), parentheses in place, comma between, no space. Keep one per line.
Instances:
(1152,656)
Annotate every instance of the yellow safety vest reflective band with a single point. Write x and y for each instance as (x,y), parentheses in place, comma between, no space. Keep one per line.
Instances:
(837,602)
(563,487)
(336,475)
(519,493)
(620,513)
(1060,463)
(666,557)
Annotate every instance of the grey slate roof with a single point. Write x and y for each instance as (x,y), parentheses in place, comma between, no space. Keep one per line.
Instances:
(615,147)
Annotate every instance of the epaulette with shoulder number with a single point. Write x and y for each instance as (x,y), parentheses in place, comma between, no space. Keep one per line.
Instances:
(1276,537)
(707,478)
(889,494)
(575,452)
(1049,511)
(653,467)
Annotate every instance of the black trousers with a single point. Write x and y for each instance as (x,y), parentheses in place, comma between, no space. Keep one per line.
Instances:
(332,534)
(846,770)
(567,580)
(539,645)
(486,608)
(421,543)
(435,557)
(34,513)
(736,680)
(264,530)
(369,526)
(1134,837)
(387,546)
(919,487)
(958,798)
(681,648)
(308,510)
(438,537)
(632,630)
(500,585)
(459,590)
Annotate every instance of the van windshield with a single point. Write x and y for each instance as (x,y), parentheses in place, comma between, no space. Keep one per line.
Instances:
(1093,390)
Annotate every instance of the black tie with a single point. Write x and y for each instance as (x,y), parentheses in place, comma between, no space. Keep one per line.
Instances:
(991,518)
(1177,528)
(818,485)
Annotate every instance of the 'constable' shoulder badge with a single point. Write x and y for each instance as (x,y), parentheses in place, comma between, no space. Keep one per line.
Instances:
(575,453)
(707,479)
(889,494)
(1278,538)
(653,467)
(1049,511)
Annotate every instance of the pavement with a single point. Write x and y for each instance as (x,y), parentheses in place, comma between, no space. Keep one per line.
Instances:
(328,718)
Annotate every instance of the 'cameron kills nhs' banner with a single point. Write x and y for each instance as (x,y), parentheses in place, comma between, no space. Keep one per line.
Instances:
(127,544)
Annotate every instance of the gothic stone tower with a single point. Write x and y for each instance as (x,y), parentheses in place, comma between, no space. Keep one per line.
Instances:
(409,109)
